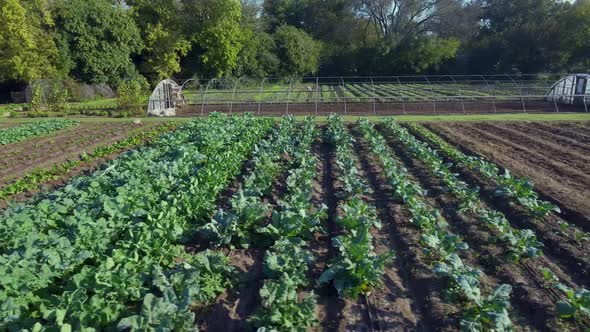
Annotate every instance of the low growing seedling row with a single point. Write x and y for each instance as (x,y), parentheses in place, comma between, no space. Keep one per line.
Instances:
(442,247)
(519,190)
(28,130)
(357,269)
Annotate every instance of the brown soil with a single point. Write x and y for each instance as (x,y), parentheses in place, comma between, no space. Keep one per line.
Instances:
(45,151)
(560,182)
(412,294)
(392,306)
(533,304)
(330,308)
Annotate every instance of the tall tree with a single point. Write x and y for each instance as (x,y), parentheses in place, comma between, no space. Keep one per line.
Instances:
(520,36)
(215,27)
(298,52)
(27,49)
(164,37)
(101,37)
(400,20)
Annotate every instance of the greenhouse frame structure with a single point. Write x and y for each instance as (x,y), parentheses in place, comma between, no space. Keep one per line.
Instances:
(380,95)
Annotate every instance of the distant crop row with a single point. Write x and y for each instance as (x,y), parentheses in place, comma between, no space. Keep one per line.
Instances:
(352,92)
(28,130)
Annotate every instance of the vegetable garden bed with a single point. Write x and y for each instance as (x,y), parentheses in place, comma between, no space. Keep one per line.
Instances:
(243,223)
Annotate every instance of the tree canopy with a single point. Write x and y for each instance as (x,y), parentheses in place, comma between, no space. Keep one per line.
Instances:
(105,41)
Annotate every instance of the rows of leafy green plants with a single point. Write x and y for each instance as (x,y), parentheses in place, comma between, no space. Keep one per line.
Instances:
(31,180)
(28,130)
(521,243)
(442,248)
(357,269)
(87,255)
(520,190)
(236,226)
(285,304)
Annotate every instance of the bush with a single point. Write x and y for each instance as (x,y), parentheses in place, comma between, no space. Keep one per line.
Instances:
(130,95)
(58,97)
(37,97)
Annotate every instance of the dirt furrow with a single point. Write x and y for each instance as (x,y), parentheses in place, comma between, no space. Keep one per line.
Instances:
(55,150)
(533,306)
(419,288)
(562,130)
(329,307)
(551,181)
(541,146)
(576,146)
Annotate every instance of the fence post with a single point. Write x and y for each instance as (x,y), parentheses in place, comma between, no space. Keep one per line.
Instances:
(432,93)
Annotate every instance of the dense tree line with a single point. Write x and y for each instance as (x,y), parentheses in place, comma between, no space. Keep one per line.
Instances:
(106,41)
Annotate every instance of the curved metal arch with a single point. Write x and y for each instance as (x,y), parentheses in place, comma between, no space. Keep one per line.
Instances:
(554,102)
(289,94)
(460,93)
(432,93)
(492,92)
(519,88)
(205,94)
(401,94)
(233,95)
(261,94)
(374,96)
(187,81)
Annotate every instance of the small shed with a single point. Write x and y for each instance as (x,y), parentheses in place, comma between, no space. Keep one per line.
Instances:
(165,98)
(572,90)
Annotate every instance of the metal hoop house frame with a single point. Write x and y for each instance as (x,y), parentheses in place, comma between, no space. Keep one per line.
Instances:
(379,95)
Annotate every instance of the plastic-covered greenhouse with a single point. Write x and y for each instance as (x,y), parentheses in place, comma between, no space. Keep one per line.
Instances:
(442,94)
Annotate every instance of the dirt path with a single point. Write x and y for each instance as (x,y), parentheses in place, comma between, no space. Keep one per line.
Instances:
(561,130)
(330,308)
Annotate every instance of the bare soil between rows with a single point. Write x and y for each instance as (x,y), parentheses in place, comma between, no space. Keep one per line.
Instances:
(558,170)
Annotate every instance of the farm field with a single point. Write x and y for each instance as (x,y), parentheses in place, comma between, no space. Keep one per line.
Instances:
(244,223)
(70,151)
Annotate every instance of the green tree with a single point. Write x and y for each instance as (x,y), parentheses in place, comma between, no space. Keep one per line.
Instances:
(101,39)
(298,52)
(520,36)
(165,39)
(257,57)
(575,31)
(26,52)
(219,35)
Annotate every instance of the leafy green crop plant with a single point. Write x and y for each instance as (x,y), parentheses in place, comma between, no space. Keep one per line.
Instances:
(521,243)
(521,191)
(287,261)
(442,248)
(111,231)
(237,225)
(357,269)
(28,130)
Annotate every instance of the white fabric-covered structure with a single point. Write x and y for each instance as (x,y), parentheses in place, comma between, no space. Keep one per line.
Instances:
(165,98)
(573,90)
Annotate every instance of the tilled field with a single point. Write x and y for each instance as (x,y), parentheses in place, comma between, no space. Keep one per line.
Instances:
(412,296)
(555,156)
(338,227)
(45,152)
